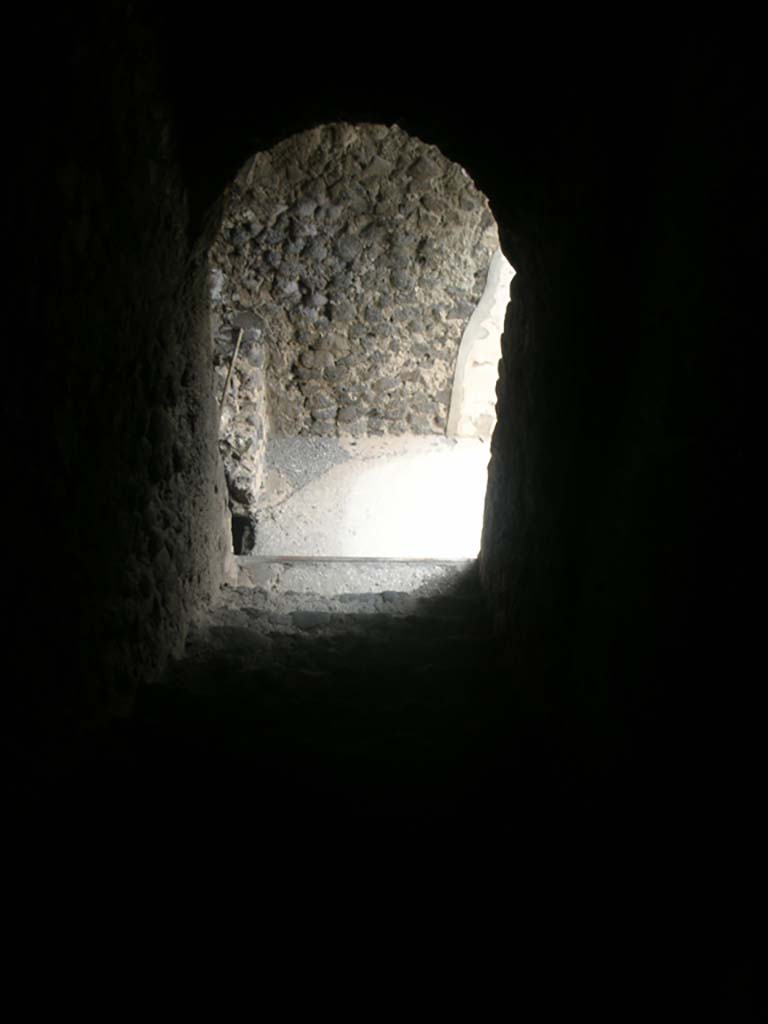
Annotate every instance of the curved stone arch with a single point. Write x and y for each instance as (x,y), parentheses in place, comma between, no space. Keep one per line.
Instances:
(473,149)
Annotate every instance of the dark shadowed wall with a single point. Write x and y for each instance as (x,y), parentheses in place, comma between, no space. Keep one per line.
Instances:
(116,474)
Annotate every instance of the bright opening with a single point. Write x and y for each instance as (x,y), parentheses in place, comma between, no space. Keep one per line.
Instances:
(358,300)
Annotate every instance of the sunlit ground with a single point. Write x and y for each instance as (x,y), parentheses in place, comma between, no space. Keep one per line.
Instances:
(404,497)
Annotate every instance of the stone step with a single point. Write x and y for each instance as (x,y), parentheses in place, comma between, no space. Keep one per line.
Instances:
(323,622)
(258,603)
(444,622)
(332,576)
(408,650)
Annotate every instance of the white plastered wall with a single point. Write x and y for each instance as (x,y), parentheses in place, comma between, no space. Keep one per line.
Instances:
(472,411)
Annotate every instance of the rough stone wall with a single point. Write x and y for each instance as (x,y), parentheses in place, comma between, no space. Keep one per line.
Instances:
(119,477)
(616,534)
(353,257)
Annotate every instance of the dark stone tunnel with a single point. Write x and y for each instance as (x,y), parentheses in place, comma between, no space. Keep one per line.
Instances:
(598,680)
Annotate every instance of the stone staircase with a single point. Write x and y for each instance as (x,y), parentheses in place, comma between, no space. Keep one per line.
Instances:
(366,700)
(276,631)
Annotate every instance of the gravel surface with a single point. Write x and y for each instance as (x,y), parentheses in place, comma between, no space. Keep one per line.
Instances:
(303,459)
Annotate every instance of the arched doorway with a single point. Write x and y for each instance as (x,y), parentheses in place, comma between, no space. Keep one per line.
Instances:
(351,262)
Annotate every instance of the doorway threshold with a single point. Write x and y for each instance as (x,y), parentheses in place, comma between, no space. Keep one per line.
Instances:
(331,575)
